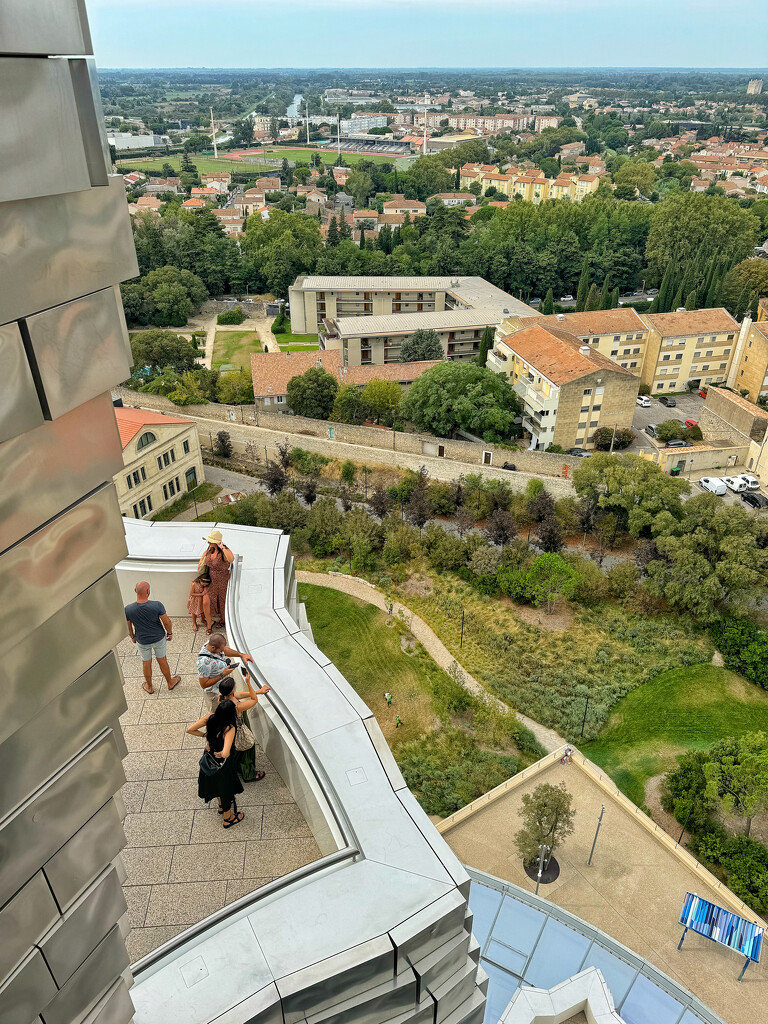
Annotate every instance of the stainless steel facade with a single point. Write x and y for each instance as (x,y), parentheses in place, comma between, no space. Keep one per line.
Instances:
(65,244)
(378,929)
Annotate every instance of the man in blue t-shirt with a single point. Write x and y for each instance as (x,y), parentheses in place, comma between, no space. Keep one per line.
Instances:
(150,628)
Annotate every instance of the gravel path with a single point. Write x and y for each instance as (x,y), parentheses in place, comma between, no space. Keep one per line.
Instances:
(429,640)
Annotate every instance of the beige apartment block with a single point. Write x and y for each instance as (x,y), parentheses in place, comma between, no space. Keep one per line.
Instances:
(313,299)
(375,340)
(567,388)
(161,460)
(749,371)
(619,334)
(695,344)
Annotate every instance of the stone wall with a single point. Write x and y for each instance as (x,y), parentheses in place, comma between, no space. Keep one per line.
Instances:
(536,462)
(249,306)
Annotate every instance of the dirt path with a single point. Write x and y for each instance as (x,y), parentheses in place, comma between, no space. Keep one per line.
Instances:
(653,802)
(365,591)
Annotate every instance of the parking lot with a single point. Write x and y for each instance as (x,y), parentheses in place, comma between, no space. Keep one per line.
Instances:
(688,408)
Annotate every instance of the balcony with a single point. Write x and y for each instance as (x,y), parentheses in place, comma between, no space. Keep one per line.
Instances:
(334,884)
(534,400)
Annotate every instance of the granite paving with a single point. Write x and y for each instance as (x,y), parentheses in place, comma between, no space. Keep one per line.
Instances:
(181,864)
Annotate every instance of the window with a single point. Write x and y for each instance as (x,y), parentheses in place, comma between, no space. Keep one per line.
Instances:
(709,352)
(142,507)
(726,352)
(626,351)
(584,408)
(139,475)
(186,447)
(615,352)
(595,341)
(599,391)
(697,355)
(593,423)
(705,366)
(638,337)
(280,399)
(678,355)
(624,365)
(700,340)
(666,358)
(635,351)
(730,337)
(617,337)
(129,481)
(588,391)
(145,439)
(191,478)
(160,458)
(583,425)
(632,365)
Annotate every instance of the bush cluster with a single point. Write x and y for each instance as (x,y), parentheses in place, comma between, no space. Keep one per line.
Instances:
(744,647)
(232,316)
(281,324)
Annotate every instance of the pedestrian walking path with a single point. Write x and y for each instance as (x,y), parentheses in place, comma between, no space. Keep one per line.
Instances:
(181,864)
(429,640)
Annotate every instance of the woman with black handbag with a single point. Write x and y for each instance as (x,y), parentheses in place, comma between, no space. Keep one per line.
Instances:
(218,765)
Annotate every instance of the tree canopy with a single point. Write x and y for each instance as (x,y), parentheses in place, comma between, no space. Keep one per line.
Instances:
(423,344)
(462,395)
(158,349)
(312,393)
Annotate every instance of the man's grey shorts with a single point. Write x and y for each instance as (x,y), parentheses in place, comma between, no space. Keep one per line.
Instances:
(145,650)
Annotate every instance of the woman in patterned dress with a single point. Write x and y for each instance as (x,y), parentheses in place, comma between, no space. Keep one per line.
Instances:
(218,558)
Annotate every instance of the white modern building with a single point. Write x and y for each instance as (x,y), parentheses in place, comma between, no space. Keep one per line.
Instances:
(124,141)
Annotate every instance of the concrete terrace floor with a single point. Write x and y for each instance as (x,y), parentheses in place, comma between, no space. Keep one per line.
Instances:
(633,890)
(181,864)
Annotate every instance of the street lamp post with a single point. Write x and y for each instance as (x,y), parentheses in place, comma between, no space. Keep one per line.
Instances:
(584,719)
(594,841)
(461,642)
(543,851)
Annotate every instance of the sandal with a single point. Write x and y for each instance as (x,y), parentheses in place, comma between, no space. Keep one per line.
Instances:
(257,777)
(228,823)
(150,690)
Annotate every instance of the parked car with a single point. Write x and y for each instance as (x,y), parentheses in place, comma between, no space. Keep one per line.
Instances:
(652,291)
(703,392)
(650,430)
(753,484)
(509,465)
(735,484)
(691,423)
(756,501)
(677,444)
(644,401)
(566,298)
(579,453)
(668,401)
(713,484)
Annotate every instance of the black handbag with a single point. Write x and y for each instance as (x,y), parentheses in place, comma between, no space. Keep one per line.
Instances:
(209,765)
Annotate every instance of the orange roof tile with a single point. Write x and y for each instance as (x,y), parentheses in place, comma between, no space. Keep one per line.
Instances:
(271,371)
(557,354)
(130,422)
(599,321)
(692,321)
(403,373)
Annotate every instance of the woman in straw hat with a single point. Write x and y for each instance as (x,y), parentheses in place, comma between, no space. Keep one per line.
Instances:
(217,558)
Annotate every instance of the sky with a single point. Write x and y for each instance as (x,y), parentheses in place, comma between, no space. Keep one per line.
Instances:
(428,33)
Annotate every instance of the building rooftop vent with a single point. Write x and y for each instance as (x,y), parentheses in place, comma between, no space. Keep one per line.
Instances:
(584,349)
(561,316)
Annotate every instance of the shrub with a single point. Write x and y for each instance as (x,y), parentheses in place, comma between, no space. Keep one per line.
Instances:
(232,316)
(622,579)
(442,497)
(744,647)
(348,472)
(484,561)
(512,582)
(644,389)
(223,444)
(604,437)
(306,462)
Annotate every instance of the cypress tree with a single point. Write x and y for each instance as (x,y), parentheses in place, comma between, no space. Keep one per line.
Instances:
(605,294)
(486,344)
(677,301)
(742,304)
(753,307)
(706,283)
(333,234)
(615,298)
(547,306)
(713,295)
(362,239)
(593,299)
(666,292)
(690,302)
(654,306)
(583,290)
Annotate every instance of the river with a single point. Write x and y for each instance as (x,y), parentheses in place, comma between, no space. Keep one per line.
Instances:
(293,110)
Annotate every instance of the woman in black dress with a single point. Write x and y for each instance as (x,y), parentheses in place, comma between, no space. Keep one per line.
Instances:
(219,778)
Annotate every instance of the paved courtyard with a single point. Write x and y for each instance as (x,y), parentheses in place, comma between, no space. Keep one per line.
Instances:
(181,864)
(633,890)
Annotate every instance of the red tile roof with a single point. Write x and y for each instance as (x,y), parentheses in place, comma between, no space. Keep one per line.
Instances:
(557,354)
(130,422)
(271,371)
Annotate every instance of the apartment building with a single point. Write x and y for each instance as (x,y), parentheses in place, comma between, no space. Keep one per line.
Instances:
(530,185)
(567,388)
(695,344)
(619,334)
(161,460)
(313,299)
(230,219)
(376,340)
(749,368)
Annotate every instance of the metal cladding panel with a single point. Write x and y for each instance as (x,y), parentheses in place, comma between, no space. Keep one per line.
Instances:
(95,845)
(329,981)
(261,1008)
(61,728)
(429,928)
(57,463)
(24,994)
(33,833)
(442,963)
(74,936)
(44,27)
(87,984)
(56,248)
(65,647)
(115,1007)
(199,984)
(20,409)
(471,1011)
(388,999)
(46,570)
(447,857)
(23,920)
(39,118)
(80,349)
(91,116)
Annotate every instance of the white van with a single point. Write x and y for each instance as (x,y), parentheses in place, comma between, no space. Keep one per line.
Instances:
(735,484)
(713,484)
(753,484)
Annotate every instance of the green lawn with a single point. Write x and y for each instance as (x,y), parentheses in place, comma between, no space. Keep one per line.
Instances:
(681,709)
(209,164)
(203,492)
(327,156)
(235,348)
(297,342)
(357,639)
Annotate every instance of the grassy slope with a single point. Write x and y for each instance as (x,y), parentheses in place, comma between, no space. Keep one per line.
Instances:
(235,347)
(297,342)
(209,164)
(356,638)
(681,709)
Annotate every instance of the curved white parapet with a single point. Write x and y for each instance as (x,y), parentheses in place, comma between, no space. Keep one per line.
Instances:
(378,929)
